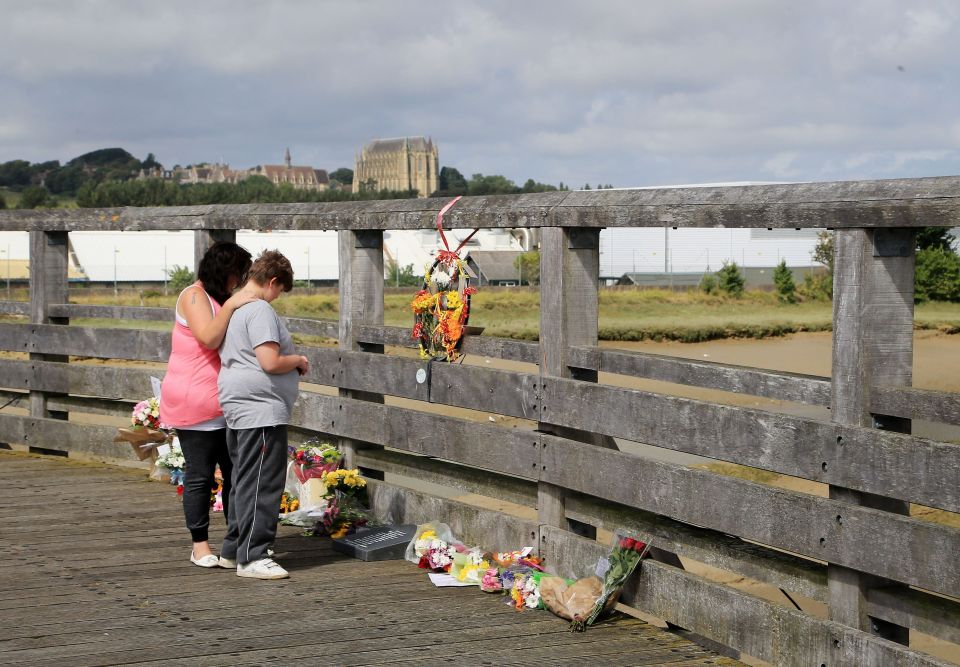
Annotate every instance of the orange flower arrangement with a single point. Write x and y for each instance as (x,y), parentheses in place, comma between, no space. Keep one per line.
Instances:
(440,309)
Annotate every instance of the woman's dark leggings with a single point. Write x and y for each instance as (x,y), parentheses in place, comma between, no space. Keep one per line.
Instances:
(203,451)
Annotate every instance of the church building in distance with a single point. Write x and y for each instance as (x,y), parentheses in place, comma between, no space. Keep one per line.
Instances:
(407,163)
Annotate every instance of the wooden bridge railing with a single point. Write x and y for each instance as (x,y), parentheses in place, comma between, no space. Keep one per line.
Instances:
(878,571)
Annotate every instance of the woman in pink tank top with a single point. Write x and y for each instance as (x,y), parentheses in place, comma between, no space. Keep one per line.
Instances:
(188,395)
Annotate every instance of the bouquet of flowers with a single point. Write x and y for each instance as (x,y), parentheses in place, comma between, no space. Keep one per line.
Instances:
(435,554)
(524,589)
(433,547)
(173,462)
(145,432)
(344,492)
(516,573)
(615,570)
(314,459)
(146,413)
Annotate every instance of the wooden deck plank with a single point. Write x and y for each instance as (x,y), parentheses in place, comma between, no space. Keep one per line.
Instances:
(97,574)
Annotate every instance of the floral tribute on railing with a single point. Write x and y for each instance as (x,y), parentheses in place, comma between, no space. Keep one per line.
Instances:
(441,309)
(519,575)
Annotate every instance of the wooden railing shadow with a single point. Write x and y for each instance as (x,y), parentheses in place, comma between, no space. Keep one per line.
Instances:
(879,571)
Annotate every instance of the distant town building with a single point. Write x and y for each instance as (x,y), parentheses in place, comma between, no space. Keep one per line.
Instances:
(407,163)
(300,177)
(207,173)
(496,267)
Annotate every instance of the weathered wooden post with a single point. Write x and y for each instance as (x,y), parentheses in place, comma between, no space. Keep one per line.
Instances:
(872,345)
(569,281)
(48,286)
(361,303)
(204,238)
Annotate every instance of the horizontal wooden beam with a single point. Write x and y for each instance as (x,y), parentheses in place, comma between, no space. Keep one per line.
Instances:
(311,327)
(912,202)
(452,475)
(472,525)
(112,382)
(757,627)
(133,344)
(503,392)
(73,310)
(797,387)
(924,612)
(905,402)
(64,436)
(910,403)
(325,328)
(485,346)
(483,446)
(21,308)
(885,463)
(858,537)
(93,406)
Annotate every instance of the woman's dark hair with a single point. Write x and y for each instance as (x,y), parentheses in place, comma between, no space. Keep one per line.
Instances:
(219,263)
(272,264)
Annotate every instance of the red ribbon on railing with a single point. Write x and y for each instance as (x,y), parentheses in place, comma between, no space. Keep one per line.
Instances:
(447,256)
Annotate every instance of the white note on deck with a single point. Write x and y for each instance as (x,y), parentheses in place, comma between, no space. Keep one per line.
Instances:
(442,579)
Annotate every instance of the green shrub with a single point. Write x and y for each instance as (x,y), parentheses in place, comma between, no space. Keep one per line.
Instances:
(730,280)
(35,196)
(180,278)
(528,267)
(708,284)
(783,280)
(817,286)
(937,276)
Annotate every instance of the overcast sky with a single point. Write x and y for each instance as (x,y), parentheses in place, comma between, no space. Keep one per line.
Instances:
(629,93)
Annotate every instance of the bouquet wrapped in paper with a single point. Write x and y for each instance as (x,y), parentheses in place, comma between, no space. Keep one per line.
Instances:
(583,601)
(145,432)
(433,547)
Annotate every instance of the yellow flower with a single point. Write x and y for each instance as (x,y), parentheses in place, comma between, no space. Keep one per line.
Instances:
(453,300)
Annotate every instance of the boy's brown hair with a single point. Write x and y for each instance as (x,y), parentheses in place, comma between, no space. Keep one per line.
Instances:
(272,264)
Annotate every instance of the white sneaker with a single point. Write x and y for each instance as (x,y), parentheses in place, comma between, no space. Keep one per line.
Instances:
(227,563)
(265,568)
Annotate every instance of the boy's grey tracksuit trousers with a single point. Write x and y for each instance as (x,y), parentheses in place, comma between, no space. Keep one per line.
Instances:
(259,472)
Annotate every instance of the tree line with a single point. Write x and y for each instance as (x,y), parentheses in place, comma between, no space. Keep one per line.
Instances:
(936,278)
(255,189)
(109,177)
